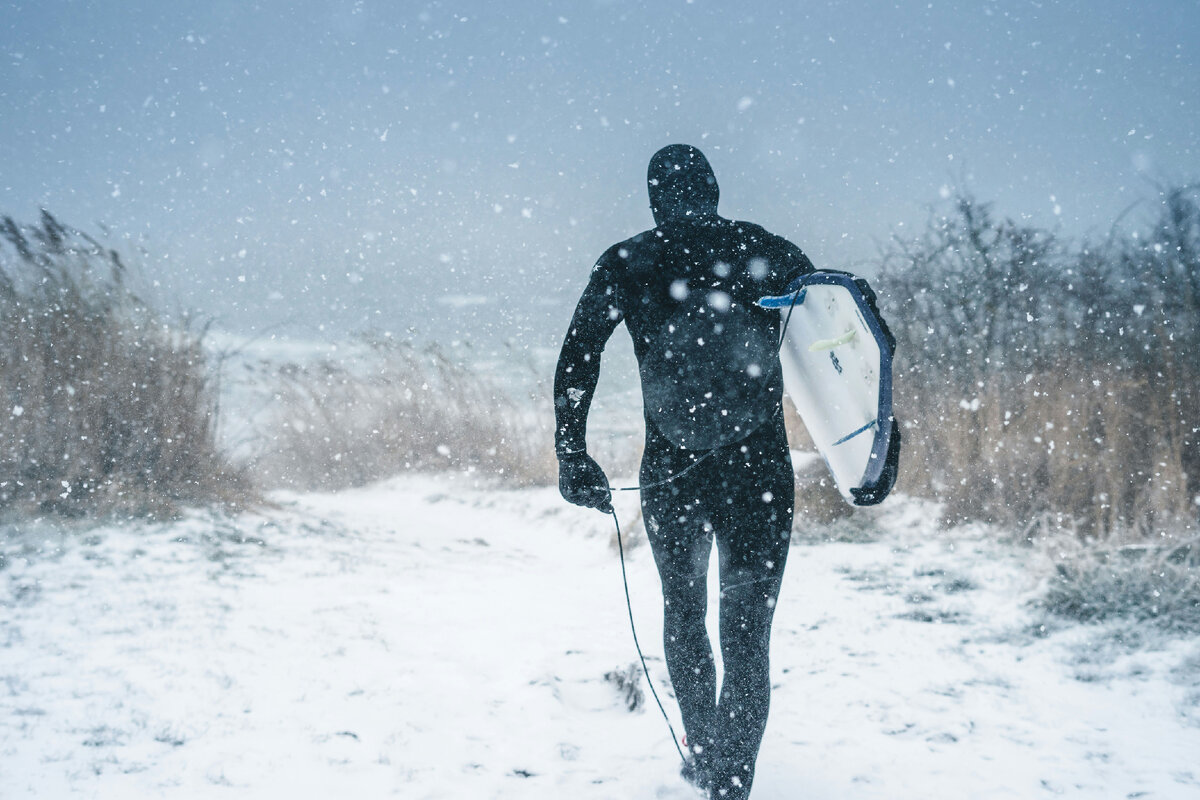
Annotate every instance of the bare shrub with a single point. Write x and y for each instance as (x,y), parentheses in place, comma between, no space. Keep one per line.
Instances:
(628,682)
(105,406)
(1156,582)
(399,408)
(1046,389)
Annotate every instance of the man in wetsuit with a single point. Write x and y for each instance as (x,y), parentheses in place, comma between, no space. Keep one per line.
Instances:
(716,466)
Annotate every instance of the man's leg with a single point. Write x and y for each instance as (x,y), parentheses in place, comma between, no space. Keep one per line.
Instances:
(753,536)
(680,535)
(748,598)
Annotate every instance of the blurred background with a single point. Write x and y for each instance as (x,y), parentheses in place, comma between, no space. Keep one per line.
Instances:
(360,228)
(456,167)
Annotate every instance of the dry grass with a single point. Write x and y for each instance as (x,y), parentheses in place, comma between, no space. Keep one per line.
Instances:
(398,409)
(1095,453)
(105,406)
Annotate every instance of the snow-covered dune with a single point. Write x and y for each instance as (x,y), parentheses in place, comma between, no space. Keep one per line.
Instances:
(426,639)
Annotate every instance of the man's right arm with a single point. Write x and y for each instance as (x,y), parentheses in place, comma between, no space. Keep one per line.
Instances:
(597,315)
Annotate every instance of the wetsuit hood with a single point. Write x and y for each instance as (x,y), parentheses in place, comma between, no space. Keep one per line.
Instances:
(681,183)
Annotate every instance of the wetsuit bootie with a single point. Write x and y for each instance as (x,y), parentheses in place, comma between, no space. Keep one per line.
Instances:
(697,769)
(697,773)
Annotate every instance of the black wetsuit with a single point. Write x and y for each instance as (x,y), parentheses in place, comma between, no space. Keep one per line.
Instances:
(711,381)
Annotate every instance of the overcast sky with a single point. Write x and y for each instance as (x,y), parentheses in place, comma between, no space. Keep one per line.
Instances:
(458,166)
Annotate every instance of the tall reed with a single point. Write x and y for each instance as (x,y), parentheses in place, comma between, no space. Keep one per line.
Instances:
(399,408)
(106,406)
(1047,388)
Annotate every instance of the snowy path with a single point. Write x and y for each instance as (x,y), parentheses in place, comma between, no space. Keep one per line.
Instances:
(423,640)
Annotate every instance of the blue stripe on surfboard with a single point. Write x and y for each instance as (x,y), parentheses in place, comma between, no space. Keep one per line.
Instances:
(782,300)
(852,434)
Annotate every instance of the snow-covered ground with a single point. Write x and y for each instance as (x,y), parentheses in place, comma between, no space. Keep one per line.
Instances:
(426,639)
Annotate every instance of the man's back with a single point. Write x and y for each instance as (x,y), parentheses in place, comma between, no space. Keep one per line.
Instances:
(725,262)
(707,353)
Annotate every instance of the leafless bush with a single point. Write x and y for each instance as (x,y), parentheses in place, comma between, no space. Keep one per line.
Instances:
(1156,582)
(105,406)
(1048,389)
(400,408)
(628,685)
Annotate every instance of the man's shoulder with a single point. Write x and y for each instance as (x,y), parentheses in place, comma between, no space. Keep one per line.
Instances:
(757,232)
(771,243)
(629,250)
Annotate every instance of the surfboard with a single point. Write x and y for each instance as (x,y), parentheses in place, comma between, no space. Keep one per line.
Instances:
(837,368)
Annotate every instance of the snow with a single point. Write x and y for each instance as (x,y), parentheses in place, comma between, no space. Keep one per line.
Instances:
(424,638)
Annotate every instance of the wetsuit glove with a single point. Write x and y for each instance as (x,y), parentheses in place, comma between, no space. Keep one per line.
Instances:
(874,495)
(582,482)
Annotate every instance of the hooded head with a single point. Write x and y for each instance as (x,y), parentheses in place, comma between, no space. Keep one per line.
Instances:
(681,183)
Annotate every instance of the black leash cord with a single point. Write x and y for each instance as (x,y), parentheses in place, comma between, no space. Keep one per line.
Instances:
(796,295)
(621,548)
(666,480)
(633,628)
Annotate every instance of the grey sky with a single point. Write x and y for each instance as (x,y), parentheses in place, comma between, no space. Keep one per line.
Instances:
(458,166)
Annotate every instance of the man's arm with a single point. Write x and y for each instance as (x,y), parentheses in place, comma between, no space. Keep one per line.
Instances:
(793,263)
(596,316)
(580,479)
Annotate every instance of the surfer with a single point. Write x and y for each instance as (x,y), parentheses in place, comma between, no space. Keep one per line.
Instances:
(716,465)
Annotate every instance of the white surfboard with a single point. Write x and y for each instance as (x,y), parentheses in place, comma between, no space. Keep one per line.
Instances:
(837,368)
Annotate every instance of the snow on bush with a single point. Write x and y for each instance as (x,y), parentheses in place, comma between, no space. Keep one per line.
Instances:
(1157,582)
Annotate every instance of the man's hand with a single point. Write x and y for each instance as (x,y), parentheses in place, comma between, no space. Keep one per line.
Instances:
(582,482)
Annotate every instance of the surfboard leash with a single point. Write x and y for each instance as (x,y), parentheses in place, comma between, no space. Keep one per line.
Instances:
(797,298)
(636,644)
